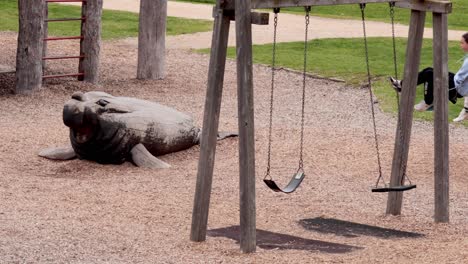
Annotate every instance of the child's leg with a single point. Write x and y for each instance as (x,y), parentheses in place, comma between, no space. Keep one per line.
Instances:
(426,77)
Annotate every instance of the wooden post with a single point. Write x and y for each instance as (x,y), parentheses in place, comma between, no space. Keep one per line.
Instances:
(246,126)
(441,130)
(210,126)
(405,118)
(29,51)
(151,39)
(91,44)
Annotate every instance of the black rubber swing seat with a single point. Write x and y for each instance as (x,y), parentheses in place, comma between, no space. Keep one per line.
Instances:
(292,185)
(400,188)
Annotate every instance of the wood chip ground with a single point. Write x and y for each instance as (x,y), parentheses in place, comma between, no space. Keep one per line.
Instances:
(83,212)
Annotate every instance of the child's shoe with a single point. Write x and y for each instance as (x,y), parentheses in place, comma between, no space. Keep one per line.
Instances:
(422,106)
(462,116)
(395,83)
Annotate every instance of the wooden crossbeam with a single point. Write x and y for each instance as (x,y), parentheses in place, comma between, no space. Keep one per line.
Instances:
(443,7)
(256,4)
(256,18)
(435,6)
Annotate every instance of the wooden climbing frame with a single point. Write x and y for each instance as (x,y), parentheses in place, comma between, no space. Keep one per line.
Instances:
(33,37)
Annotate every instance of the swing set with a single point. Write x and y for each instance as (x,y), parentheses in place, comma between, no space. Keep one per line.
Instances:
(297,178)
(240,11)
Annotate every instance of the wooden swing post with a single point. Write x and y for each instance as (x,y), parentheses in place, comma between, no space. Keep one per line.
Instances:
(440,9)
(441,129)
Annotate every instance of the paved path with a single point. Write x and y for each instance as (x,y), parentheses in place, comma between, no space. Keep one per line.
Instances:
(290,28)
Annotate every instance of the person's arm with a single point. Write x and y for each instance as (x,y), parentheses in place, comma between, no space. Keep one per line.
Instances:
(462,75)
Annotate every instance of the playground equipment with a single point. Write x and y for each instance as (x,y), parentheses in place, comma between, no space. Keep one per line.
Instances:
(300,174)
(386,188)
(33,38)
(241,10)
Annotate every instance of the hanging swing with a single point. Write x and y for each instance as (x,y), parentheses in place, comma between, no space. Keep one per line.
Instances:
(299,175)
(386,188)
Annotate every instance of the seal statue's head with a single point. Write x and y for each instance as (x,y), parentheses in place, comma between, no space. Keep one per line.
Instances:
(82,114)
(80,117)
(93,122)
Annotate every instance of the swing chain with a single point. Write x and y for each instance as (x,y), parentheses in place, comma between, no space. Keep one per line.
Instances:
(392,17)
(307,21)
(395,65)
(369,86)
(273,62)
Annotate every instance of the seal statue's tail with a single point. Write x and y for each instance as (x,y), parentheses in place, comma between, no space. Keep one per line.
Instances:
(221,135)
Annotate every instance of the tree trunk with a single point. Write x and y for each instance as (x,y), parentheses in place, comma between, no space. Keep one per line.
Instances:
(29,52)
(91,43)
(151,39)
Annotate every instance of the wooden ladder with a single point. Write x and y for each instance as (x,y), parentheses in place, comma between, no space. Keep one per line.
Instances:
(46,38)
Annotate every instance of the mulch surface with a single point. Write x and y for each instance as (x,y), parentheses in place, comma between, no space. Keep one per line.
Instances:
(80,211)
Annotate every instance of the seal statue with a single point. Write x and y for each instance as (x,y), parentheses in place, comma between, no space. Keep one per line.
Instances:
(111,130)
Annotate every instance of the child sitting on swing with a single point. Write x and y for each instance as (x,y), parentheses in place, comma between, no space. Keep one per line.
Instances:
(458,85)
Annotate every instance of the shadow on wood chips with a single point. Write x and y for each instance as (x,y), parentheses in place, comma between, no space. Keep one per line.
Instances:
(7,83)
(269,240)
(350,229)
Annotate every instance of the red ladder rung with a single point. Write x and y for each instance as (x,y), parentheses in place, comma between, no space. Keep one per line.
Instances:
(62,75)
(63,38)
(65,19)
(62,57)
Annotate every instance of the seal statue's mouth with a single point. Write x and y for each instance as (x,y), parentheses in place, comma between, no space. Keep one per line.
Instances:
(82,134)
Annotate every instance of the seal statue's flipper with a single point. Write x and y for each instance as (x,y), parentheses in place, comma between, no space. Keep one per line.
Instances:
(223,135)
(64,153)
(143,158)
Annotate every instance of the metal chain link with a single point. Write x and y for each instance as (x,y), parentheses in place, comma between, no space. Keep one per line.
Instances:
(371,96)
(301,148)
(273,63)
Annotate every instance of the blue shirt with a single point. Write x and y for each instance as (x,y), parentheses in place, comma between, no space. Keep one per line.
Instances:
(461,78)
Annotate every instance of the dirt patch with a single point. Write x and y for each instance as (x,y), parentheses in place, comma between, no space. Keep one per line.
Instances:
(83,212)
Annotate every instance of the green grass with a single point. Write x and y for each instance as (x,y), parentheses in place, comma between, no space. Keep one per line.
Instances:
(115,24)
(377,12)
(345,59)
(381,12)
